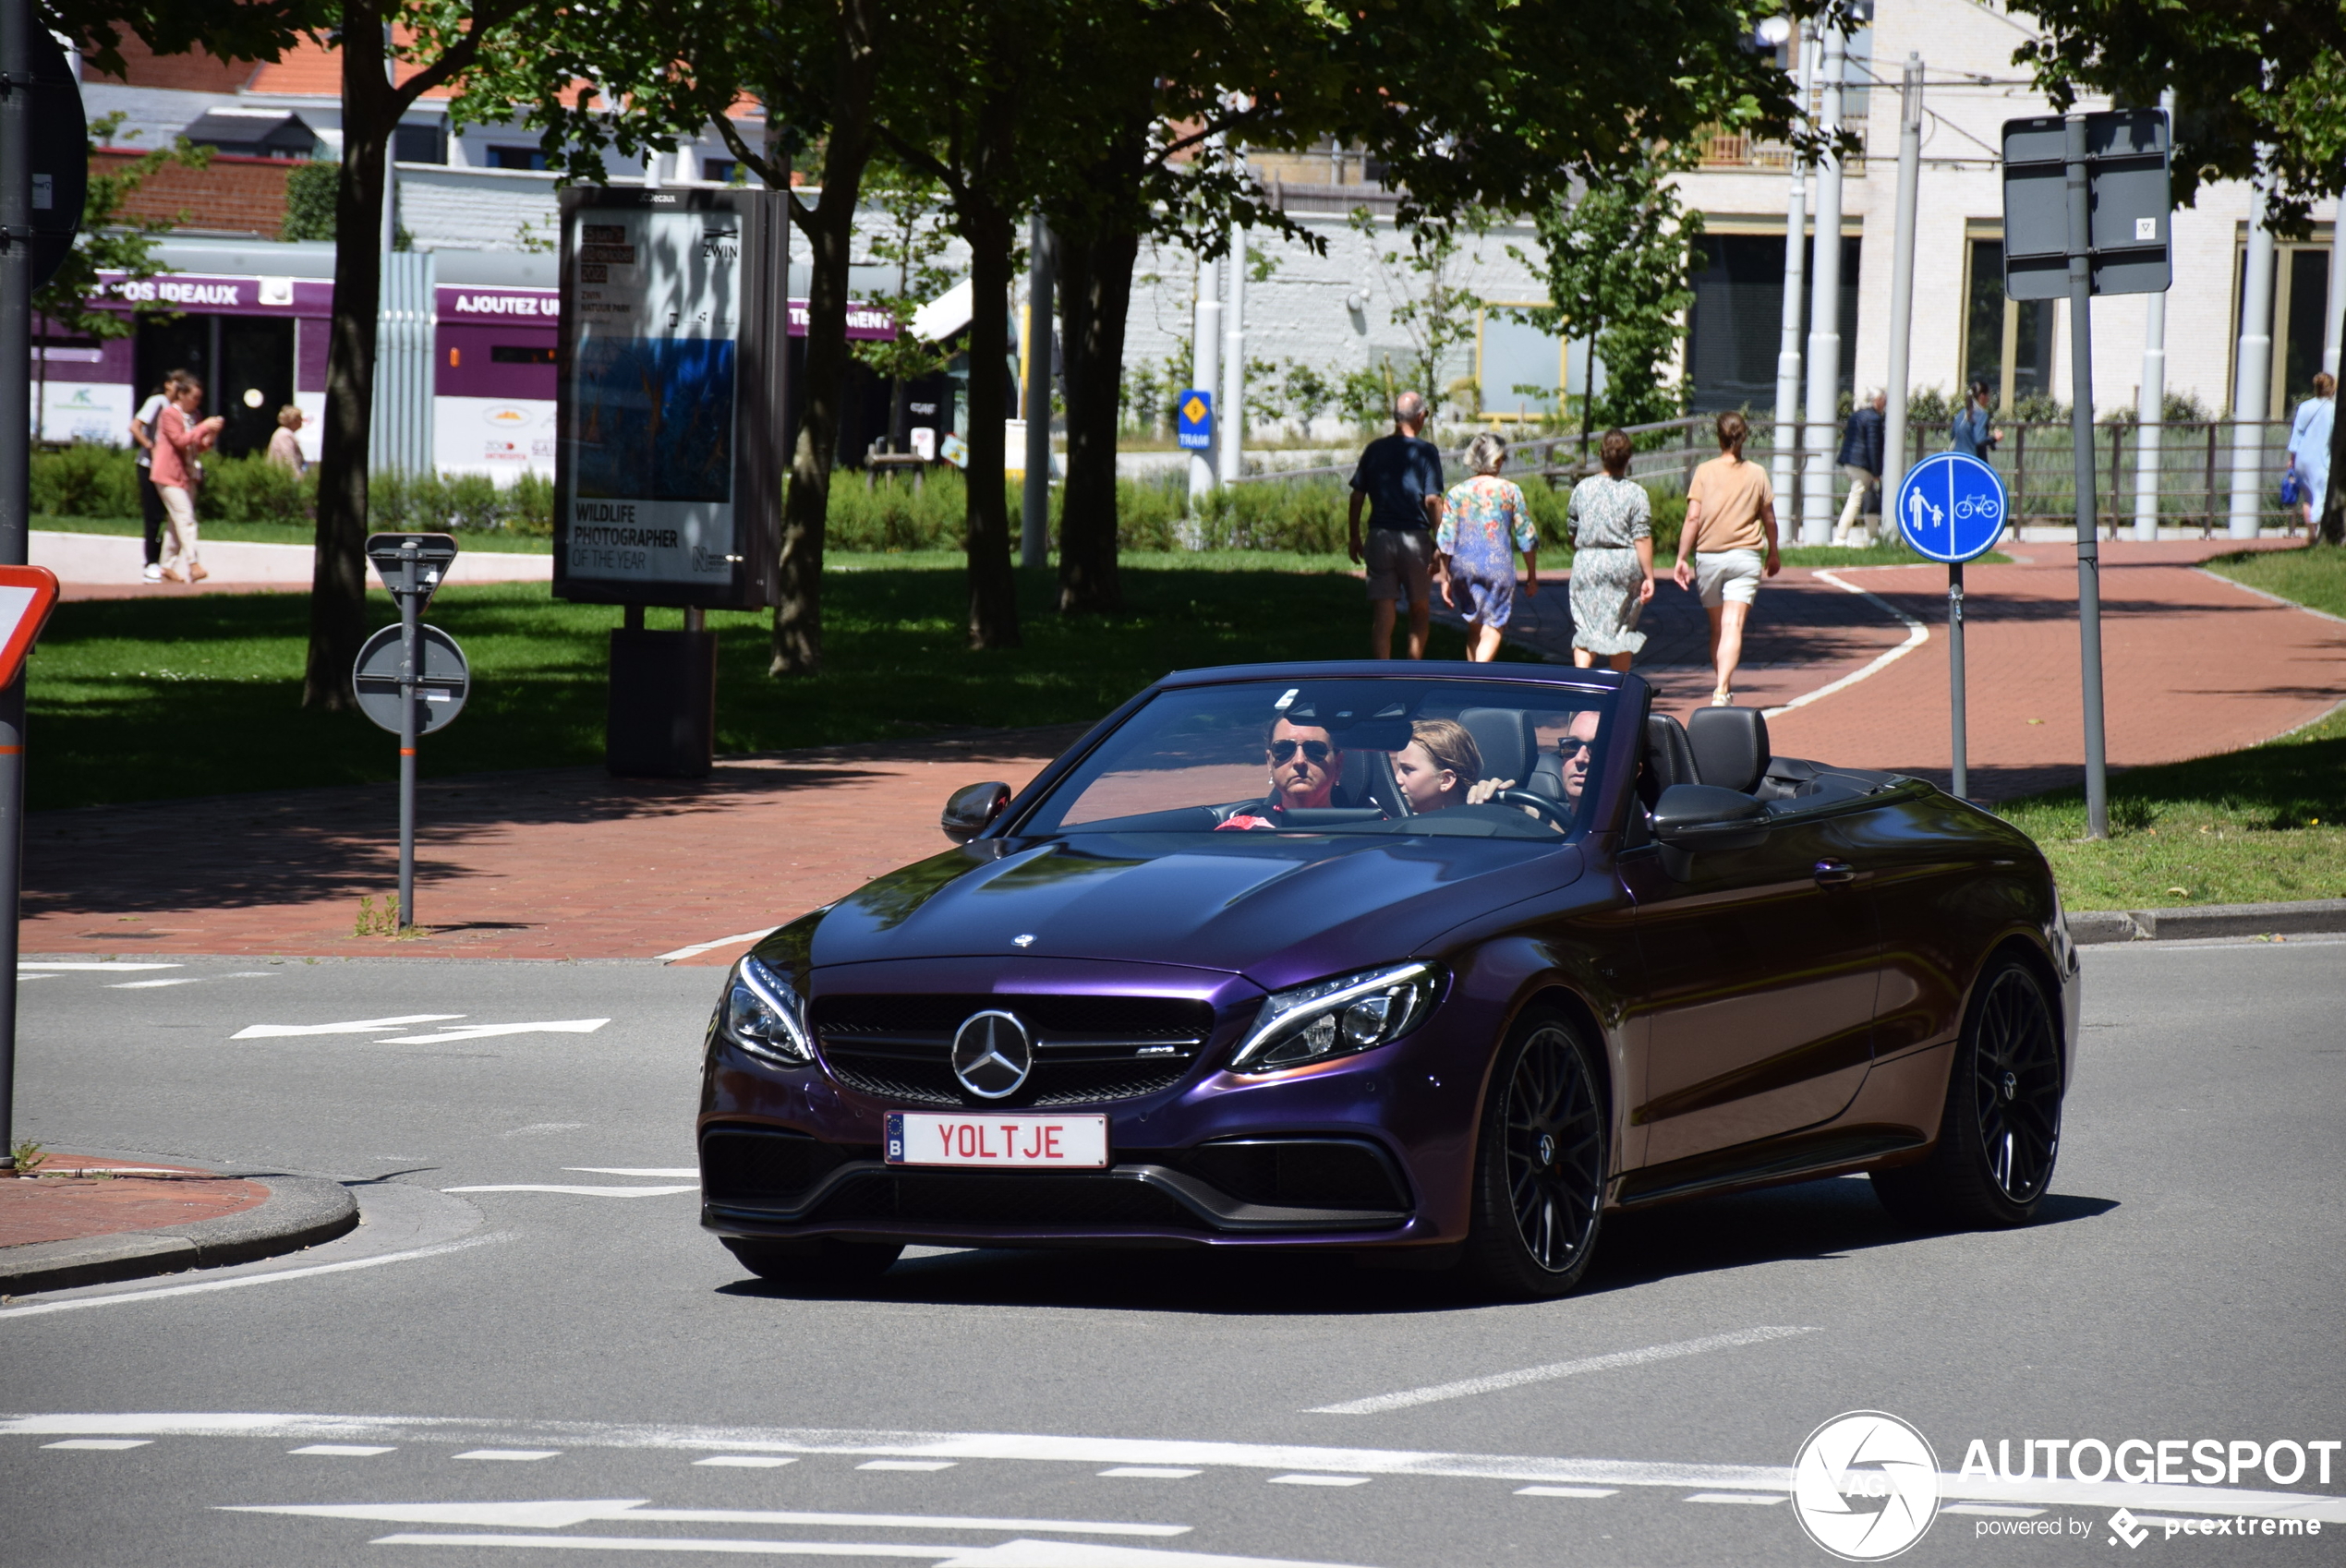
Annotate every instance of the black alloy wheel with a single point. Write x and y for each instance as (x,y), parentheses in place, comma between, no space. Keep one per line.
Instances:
(2001,1132)
(817,1266)
(1541,1162)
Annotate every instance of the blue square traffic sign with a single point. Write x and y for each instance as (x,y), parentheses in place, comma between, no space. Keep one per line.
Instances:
(1193,420)
(1951,507)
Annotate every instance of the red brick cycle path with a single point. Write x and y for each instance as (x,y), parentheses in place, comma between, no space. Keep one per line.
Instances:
(571,864)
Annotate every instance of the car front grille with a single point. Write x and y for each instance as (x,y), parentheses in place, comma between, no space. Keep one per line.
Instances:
(999,1198)
(1088,1050)
(762,1167)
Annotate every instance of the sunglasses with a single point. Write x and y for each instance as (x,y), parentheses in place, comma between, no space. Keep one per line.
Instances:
(1569,747)
(1314,751)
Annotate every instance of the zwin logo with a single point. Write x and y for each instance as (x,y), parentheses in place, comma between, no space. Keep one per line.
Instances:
(2124,1527)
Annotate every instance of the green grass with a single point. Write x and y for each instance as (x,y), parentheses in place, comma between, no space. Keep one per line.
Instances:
(2315,577)
(154,699)
(286,534)
(2263,826)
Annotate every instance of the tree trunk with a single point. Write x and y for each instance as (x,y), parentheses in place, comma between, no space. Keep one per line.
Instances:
(992,583)
(1095,292)
(338,580)
(831,230)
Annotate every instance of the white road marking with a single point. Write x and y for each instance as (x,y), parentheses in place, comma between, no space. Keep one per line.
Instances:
(1009,1554)
(1916,635)
(491,1031)
(1681,1475)
(747,1461)
(670,1171)
(579,1191)
(107,1445)
(697,948)
(519,1455)
(1991,1509)
(1732,1497)
(1565,1491)
(40,1308)
(908,1465)
(23,964)
(1379,1404)
(355,1026)
(346,1450)
(1319,1480)
(560,1514)
(1152,1471)
(152,984)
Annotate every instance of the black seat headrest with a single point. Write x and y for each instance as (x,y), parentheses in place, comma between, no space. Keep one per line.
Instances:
(1730,747)
(1504,737)
(1668,756)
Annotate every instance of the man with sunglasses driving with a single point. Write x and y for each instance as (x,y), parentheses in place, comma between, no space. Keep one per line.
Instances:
(1305,765)
(1574,748)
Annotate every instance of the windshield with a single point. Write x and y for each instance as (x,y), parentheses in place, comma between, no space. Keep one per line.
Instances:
(1406,756)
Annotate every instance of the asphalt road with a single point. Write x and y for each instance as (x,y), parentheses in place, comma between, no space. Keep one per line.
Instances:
(530,1283)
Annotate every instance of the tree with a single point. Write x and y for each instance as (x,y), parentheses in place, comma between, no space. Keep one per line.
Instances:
(1436,313)
(2260,92)
(1615,264)
(76,298)
(249,29)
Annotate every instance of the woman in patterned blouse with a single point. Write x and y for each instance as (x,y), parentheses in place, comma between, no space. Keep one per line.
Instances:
(1481,517)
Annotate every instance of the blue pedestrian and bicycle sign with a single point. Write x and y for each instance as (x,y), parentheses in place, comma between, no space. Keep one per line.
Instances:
(1951,507)
(1193,420)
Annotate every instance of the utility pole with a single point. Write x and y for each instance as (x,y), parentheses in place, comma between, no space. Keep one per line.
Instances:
(1824,311)
(2081,430)
(1784,465)
(16,494)
(1034,513)
(1229,423)
(1902,278)
(1205,349)
(2252,388)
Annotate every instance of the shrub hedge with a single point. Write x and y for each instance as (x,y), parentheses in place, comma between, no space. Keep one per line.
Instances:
(89,480)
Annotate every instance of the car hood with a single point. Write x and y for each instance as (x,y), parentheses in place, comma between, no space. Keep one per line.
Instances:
(1277,909)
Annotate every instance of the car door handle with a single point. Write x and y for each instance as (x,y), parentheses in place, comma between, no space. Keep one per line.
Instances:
(1833,874)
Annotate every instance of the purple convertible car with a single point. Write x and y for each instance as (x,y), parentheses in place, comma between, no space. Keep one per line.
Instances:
(1443,964)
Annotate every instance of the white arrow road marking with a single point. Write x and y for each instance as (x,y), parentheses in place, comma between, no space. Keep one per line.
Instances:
(486,1030)
(1379,1404)
(692,1171)
(243,1280)
(697,948)
(560,1516)
(579,1191)
(355,1026)
(1009,1554)
(23,964)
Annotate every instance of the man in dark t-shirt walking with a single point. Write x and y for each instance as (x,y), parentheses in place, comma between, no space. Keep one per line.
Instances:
(1400,478)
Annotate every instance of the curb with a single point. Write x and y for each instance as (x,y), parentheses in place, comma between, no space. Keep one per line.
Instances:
(300,1211)
(2315,917)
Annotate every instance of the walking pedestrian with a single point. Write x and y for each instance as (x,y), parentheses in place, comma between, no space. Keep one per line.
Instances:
(1611,520)
(1728,545)
(285,442)
(1860,459)
(1400,480)
(181,439)
(2309,450)
(1481,518)
(1973,434)
(143,436)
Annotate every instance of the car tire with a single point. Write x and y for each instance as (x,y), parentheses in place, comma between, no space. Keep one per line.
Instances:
(1540,1163)
(821,1263)
(2001,1130)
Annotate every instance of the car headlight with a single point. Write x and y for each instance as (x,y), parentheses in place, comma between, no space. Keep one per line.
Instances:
(1336,1018)
(765,1017)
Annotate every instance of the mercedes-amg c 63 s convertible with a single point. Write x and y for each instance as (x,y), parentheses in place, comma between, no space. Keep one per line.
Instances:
(1440,962)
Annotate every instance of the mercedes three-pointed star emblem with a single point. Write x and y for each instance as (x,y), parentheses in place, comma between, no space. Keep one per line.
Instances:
(992,1055)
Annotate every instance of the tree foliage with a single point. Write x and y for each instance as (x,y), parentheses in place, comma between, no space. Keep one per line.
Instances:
(77,298)
(310,190)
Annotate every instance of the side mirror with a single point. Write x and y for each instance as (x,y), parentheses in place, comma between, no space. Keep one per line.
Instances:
(972,811)
(1693,818)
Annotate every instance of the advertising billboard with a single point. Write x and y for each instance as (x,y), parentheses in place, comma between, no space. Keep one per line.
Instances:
(667,449)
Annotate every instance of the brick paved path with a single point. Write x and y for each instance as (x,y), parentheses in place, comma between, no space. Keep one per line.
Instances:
(572,863)
(53,1208)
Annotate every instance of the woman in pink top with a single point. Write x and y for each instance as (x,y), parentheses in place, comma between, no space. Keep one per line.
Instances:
(180,439)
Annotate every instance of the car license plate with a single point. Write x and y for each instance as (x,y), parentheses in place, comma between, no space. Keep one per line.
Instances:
(977,1139)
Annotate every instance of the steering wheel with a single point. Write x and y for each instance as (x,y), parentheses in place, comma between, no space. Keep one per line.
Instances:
(1555,812)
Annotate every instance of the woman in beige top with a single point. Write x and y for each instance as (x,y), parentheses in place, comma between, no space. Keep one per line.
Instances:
(1730,534)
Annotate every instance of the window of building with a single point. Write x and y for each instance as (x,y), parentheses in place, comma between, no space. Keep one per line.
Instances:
(724,170)
(516,158)
(1737,325)
(2301,307)
(420,143)
(2006,344)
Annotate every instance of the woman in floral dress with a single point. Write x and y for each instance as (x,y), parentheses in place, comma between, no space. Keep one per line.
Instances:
(1611,524)
(1481,518)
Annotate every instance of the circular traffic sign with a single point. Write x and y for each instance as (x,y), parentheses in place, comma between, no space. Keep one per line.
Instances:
(1952,507)
(60,155)
(441,686)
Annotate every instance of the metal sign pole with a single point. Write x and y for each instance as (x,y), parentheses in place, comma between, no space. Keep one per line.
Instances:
(2081,393)
(15,495)
(411,664)
(1962,780)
